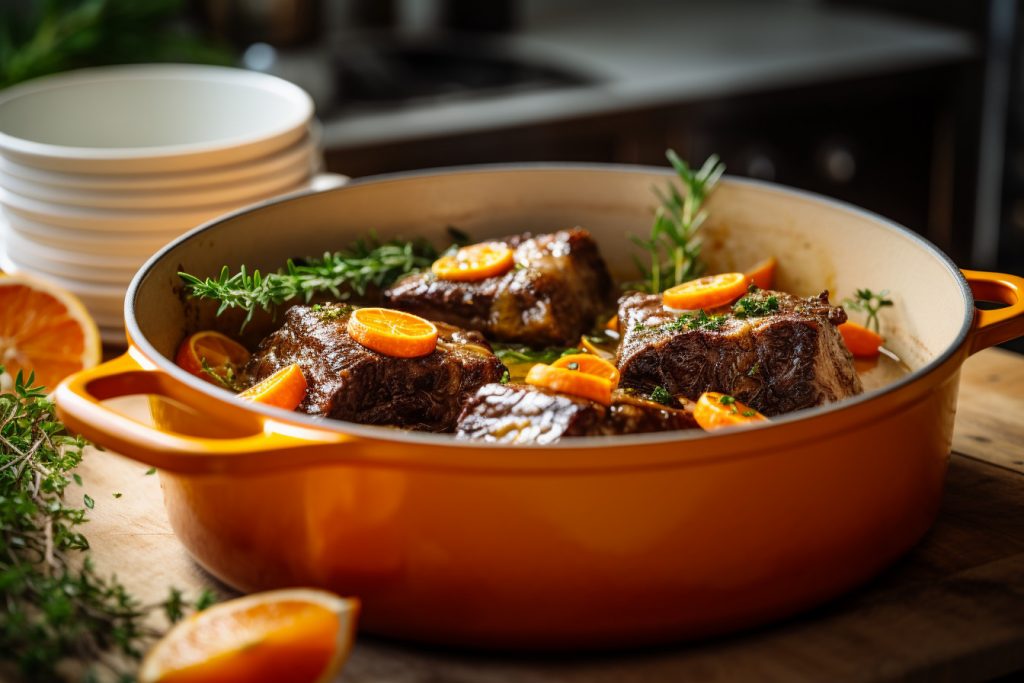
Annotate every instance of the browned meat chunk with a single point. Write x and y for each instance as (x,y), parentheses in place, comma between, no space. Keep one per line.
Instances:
(776,359)
(557,288)
(348,381)
(513,413)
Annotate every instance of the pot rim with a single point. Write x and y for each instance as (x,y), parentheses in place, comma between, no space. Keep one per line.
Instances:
(385,434)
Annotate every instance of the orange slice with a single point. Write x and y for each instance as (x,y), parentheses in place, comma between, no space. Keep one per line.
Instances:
(763,274)
(862,342)
(393,333)
(296,635)
(712,291)
(222,355)
(475,262)
(572,382)
(612,324)
(590,364)
(715,410)
(285,389)
(44,329)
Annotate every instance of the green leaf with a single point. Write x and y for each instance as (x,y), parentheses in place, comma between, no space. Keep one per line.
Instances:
(89,502)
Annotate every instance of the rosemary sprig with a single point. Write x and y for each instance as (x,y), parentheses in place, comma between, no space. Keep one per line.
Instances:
(673,246)
(55,605)
(366,264)
(870,303)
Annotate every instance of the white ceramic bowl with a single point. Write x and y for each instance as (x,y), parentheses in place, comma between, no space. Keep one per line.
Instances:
(84,241)
(150,118)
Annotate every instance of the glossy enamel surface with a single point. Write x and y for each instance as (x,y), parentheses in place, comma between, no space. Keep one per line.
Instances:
(594,542)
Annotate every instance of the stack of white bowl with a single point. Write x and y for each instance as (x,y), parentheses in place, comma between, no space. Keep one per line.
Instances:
(99,168)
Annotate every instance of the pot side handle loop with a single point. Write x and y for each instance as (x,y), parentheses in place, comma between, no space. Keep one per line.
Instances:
(1002,324)
(265,445)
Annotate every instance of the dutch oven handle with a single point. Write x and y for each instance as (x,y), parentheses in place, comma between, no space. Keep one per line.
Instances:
(1000,325)
(266,444)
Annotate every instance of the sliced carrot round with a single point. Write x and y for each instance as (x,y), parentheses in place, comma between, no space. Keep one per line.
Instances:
(763,274)
(712,291)
(715,410)
(297,634)
(285,389)
(590,364)
(393,333)
(572,382)
(862,342)
(209,352)
(475,262)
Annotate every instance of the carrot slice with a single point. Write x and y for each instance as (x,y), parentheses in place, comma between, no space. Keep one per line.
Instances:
(220,354)
(475,262)
(590,364)
(612,324)
(763,274)
(715,410)
(862,342)
(572,382)
(393,333)
(707,292)
(285,389)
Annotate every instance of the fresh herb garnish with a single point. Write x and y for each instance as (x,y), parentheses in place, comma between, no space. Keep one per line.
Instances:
(700,321)
(755,369)
(515,353)
(505,377)
(755,304)
(224,375)
(870,303)
(367,263)
(726,400)
(673,247)
(661,395)
(749,413)
(56,605)
(330,312)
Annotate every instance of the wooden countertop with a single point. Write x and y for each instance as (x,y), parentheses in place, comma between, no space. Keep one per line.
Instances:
(951,610)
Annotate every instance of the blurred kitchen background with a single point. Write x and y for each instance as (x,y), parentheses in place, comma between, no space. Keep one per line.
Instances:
(911,108)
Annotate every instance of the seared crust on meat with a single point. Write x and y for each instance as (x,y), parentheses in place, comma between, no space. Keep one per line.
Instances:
(552,296)
(788,360)
(513,413)
(348,381)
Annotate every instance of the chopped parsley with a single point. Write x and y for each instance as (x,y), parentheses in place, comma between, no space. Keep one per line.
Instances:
(749,413)
(330,312)
(700,321)
(755,305)
(755,369)
(727,400)
(661,395)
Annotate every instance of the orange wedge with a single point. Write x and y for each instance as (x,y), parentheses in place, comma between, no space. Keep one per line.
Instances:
(393,333)
(573,382)
(715,410)
(862,342)
(44,329)
(475,262)
(590,364)
(285,389)
(710,292)
(763,274)
(297,635)
(220,354)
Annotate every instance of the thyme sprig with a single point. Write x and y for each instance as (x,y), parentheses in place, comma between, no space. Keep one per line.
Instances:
(870,303)
(366,264)
(673,245)
(56,606)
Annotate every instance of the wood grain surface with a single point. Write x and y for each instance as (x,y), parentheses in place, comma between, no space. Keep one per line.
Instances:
(951,610)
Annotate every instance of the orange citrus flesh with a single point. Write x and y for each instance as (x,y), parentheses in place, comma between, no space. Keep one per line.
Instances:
(44,329)
(862,342)
(393,333)
(763,274)
(715,410)
(287,636)
(612,324)
(572,382)
(285,389)
(474,262)
(590,364)
(712,291)
(223,355)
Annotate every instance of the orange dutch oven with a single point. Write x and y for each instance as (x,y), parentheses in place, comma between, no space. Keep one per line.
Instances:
(594,541)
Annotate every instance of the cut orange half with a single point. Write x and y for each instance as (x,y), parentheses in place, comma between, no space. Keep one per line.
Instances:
(590,364)
(715,410)
(573,382)
(285,389)
(763,273)
(44,329)
(710,292)
(297,635)
(221,355)
(393,333)
(475,262)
